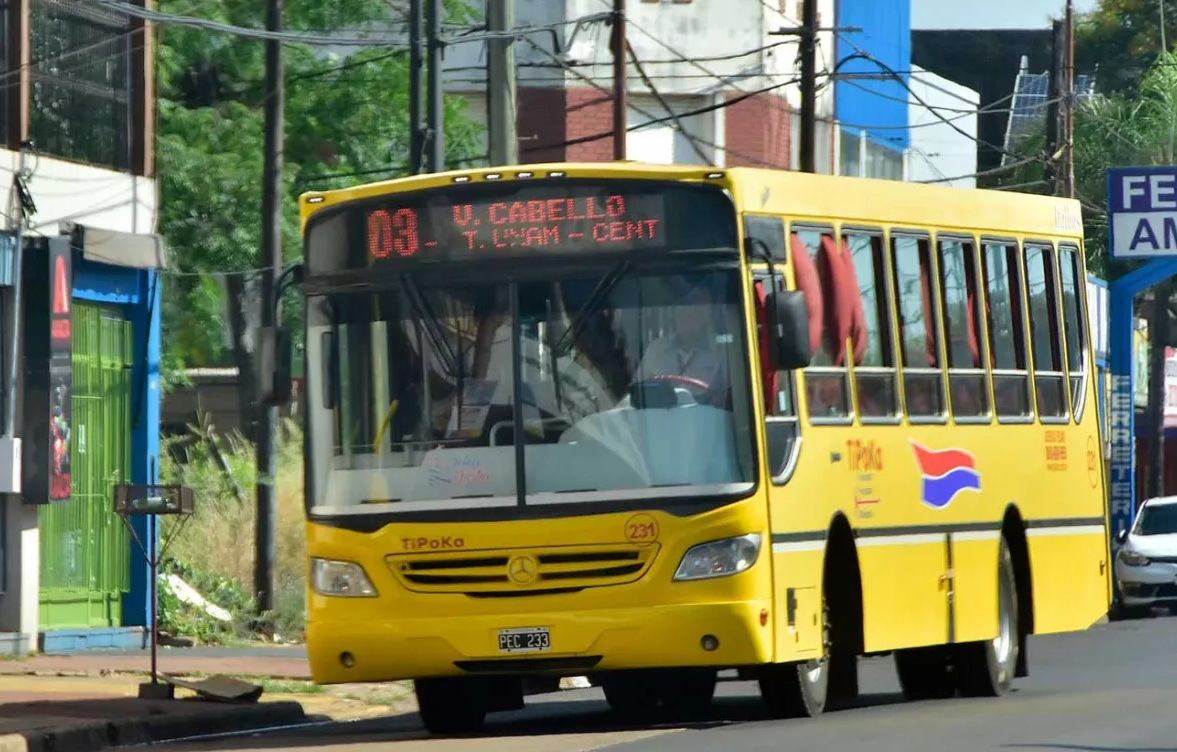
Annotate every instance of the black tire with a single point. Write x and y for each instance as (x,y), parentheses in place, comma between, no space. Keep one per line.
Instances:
(799,690)
(688,695)
(634,696)
(925,673)
(450,706)
(987,668)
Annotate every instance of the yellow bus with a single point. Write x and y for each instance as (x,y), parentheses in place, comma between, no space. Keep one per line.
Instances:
(645,423)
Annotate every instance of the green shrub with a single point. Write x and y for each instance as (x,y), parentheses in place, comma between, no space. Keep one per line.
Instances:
(214,552)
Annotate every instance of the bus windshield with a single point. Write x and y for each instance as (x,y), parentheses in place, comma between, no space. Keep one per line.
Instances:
(633,385)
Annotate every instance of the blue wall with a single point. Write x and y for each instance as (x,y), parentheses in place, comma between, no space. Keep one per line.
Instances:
(139,292)
(886,35)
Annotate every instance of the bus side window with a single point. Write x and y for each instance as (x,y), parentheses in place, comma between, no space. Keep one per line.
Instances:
(1045,333)
(1007,333)
(872,347)
(912,272)
(780,413)
(968,387)
(826,379)
(1074,324)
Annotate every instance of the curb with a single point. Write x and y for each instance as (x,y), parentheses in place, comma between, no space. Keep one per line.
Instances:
(105,672)
(102,735)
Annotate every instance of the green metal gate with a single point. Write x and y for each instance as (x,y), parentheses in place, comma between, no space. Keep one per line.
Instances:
(85,551)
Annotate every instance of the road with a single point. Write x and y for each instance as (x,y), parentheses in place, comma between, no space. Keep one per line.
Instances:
(1110,689)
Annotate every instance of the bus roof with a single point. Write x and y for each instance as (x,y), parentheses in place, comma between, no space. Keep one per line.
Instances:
(794,194)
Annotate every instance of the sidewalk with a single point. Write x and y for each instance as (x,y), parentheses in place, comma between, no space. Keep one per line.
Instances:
(50,714)
(88,702)
(284,663)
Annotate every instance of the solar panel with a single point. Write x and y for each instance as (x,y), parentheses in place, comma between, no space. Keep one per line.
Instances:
(1029,103)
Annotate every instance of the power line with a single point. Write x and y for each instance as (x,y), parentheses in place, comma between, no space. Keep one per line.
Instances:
(656,120)
(862,54)
(331,40)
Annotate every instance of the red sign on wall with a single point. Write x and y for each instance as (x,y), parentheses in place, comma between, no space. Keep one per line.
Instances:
(60,369)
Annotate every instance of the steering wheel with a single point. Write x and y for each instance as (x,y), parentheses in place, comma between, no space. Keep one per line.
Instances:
(698,389)
(689,382)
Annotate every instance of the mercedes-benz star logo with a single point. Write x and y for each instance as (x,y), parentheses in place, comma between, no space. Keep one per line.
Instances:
(522,569)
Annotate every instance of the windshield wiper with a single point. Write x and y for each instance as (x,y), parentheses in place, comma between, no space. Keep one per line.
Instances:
(428,322)
(604,286)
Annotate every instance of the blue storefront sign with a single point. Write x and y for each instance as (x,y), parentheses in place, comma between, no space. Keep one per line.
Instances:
(1142,225)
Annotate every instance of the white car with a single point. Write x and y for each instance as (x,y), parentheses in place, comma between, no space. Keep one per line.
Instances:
(1146,564)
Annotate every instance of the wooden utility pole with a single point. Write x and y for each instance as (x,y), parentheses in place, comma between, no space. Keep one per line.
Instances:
(1069,99)
(416,88)
(620,103)
(1055,133)
(808,85)
(270,268)
(436,111)
(500,85)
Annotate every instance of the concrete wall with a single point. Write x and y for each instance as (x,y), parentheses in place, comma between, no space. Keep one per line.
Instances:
(939,150)
(99,198)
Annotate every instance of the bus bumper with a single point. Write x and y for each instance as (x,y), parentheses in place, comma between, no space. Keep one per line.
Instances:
(581,642)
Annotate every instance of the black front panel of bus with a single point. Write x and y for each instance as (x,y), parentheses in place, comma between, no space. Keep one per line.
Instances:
(528,219)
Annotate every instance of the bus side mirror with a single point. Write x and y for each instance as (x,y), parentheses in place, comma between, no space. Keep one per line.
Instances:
(274,358)
(788,322)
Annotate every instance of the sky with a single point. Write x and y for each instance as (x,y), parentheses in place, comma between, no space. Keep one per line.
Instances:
(991,14)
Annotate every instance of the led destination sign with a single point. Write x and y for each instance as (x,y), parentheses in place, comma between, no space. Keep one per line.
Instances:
(520,220)
(565,223)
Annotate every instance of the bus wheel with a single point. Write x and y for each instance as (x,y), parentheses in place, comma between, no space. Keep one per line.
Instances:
(799,690)
(986,669)
(925,673)
(633,696)
(451,705)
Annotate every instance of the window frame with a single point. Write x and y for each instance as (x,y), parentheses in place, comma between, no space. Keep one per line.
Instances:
(886,308)
(1078,407)
(1022,322)
(1057,336)
(760,271)
(847,418)
(934,292)
(787,382)
(971,248)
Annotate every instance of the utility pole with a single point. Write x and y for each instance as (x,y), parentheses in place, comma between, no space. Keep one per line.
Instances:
(1158,336)
(436,114)
(416,89)
(1069,79)
(1054,130)
(620,99)
(500,92)
(271,261)
(808,85)
(12,357)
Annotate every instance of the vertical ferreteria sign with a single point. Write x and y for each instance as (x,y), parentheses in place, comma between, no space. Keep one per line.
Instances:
(1142,225)
(60,368)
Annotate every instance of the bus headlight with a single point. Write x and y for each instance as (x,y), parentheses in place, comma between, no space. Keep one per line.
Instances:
(721,558)
(340,579)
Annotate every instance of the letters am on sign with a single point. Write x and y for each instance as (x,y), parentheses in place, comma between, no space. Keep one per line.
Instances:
(1142,212)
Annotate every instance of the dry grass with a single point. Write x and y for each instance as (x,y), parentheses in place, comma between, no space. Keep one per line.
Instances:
(216,547)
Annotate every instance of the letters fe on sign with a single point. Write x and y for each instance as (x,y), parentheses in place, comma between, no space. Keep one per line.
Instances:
(60,369)
(1142,212)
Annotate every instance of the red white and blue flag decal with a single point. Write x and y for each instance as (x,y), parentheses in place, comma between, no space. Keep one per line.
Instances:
(946,473)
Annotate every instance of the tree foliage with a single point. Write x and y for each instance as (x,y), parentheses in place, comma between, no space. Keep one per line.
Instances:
(341,116)
(1111,130)
(1121,39)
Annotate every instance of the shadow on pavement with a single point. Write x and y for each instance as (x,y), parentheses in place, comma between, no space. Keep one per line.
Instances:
(550,715)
